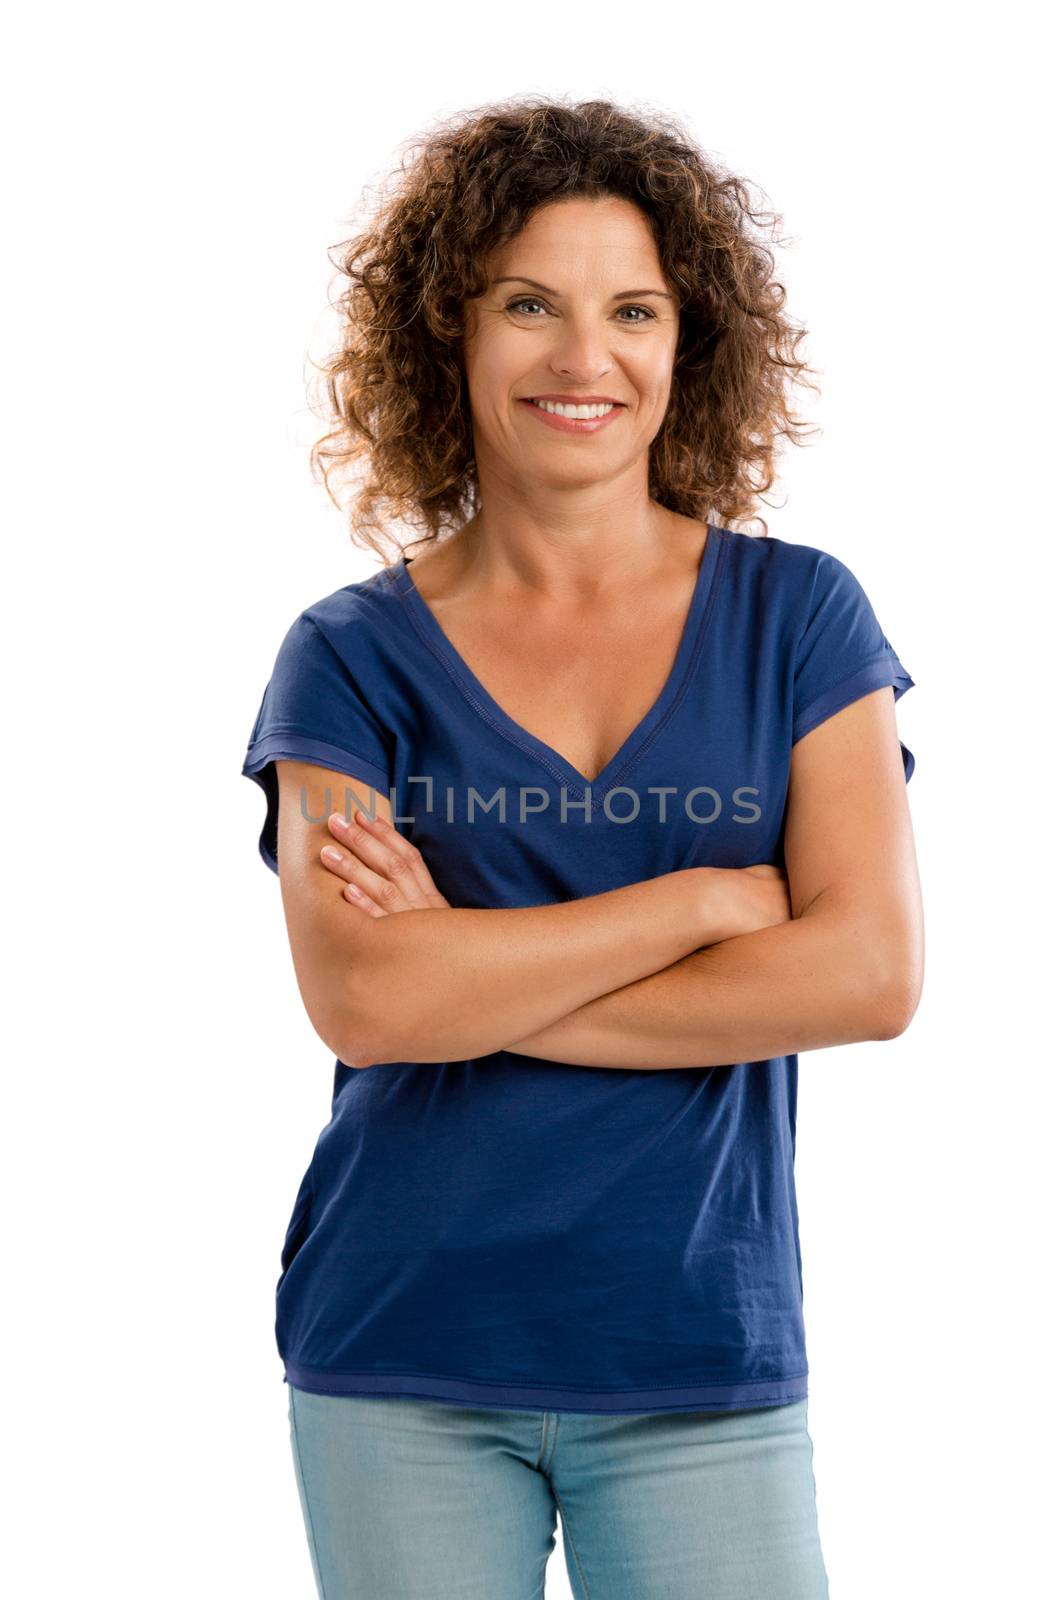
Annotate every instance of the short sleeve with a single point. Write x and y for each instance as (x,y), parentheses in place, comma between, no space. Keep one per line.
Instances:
(842,652)
(313,709)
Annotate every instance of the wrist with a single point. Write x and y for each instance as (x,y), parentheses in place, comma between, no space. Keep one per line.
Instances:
(714,910)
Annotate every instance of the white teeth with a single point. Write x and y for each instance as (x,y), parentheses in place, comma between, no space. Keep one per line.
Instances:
(560,410)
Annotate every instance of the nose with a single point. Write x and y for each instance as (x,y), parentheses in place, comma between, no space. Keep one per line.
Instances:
(581,352)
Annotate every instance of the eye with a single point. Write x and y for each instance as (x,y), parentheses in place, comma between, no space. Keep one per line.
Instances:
(531,300)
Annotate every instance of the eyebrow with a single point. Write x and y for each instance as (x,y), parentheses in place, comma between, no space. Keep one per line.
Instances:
(625,294)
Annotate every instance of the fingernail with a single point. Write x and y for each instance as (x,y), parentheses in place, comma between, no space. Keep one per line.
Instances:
(338,818)
(332,855)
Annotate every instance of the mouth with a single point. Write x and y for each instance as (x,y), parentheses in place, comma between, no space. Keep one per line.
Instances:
(545,404)
(601,415)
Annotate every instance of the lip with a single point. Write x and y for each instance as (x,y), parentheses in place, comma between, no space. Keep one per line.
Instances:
(577,399)
(574,424)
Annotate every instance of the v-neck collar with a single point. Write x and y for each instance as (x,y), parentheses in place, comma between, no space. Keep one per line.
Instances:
(486,707)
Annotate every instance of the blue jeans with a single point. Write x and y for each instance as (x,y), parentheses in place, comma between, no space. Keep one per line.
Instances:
(423,1500)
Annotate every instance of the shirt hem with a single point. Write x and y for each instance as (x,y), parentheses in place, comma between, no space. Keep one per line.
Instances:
(750,1394)
(884,671)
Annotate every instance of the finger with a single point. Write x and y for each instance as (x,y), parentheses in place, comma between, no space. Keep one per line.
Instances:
(386,832)
(383,848)
(345,864)
(355,896)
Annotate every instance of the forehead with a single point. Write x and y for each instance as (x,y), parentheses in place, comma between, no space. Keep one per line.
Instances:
(578,239)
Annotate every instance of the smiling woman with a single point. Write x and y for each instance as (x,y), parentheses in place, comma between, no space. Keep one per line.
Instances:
(441,250)
(511,356)
(642,836)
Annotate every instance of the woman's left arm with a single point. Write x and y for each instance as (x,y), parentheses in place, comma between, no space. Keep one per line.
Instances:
(847,967)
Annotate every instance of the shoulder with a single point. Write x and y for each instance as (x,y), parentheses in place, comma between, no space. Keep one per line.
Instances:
(778,573)
(802,591)
(353,621)
(768,554)
(355,605)
(349,634)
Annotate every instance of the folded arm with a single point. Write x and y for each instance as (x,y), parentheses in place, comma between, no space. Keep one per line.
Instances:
(448,984)
(619,978)
(848,967)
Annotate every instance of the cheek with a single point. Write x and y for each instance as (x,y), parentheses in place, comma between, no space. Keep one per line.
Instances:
(498,357)
(655,374)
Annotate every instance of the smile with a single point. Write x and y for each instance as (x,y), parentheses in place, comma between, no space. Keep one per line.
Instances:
(574,419)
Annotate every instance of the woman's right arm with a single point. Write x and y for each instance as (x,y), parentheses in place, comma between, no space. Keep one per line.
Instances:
(449,984)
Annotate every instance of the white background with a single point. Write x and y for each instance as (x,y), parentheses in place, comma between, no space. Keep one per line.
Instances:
(174,178)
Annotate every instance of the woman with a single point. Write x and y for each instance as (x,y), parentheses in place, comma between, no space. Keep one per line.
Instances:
(637,777)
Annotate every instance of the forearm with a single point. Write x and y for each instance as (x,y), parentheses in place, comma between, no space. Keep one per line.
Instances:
(445,985)
(806,984)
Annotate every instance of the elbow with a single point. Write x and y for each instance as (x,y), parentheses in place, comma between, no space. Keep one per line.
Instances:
(366,1039)
(350,1045)
(380,1029)
(358,1007)
(367,1045)
(345,1026)
(897,1005)
(359,1046)
(378,1025)
(894,966)
(356,1056)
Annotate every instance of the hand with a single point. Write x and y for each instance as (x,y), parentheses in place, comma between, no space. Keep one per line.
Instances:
(741,900)
(382,871)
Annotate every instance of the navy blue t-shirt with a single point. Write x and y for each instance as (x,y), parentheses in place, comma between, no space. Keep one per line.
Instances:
(516,1232)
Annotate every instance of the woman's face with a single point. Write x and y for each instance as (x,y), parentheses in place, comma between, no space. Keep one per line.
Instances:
(604,324)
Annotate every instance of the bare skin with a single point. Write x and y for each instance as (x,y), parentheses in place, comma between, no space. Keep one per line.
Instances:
(577,660)
(444,982)
(569,567)
(788,969)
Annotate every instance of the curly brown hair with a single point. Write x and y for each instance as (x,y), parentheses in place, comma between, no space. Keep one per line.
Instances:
(395,388)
